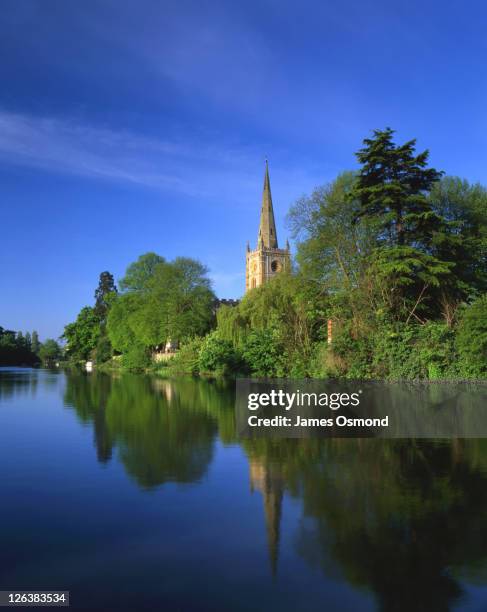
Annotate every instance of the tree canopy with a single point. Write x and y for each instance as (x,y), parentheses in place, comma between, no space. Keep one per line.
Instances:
(166,301)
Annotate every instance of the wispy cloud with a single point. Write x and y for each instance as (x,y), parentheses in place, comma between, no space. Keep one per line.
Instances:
(201,169)
(69,147)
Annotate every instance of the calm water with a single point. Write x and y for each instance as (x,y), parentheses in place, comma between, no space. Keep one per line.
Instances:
(133,493)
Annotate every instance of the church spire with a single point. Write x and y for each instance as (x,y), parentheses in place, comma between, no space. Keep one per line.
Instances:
(267,229)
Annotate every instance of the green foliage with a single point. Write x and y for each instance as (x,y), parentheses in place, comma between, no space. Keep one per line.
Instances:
(176,304)
(87,337)
(332,248)
(82,335)
(392,186)
(393,251)
(15,349)
(351,355)
(219,357)
(187,359)
(263,354)
(104,295)
(392,189)
(415,352)
(284,316)
(50,351)
(181,300)
(35,345)
(388,253)
(162,431)
(334,254)
(140,273)
(232,325)
(119,329)
(104,351)
(463,241)
(137,358)
(393,352)
(471,339)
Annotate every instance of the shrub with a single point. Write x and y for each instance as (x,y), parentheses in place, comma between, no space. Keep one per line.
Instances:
(262,354)
(218,356)
(349,356)
(414,352)
(186,360)
(390,351)
(136,359)
(471,341)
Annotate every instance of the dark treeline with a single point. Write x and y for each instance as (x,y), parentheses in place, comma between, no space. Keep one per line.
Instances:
(18,349)
(393,254)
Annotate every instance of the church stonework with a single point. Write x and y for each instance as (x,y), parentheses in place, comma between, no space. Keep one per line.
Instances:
(268,259)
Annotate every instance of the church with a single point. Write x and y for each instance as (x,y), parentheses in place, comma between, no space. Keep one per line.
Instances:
(267,259)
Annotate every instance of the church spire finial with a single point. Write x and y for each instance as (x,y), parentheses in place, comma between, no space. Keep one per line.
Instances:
(267,228)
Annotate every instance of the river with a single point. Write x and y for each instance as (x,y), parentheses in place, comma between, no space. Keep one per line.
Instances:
(134,493)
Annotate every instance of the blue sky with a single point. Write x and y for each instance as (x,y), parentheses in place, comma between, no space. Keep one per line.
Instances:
(135,126)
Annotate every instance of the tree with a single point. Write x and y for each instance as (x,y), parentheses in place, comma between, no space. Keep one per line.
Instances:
(333,251)
(82,335)
(283,317)
(28,341)
(177,304)
(14,350)
(104,295)
(119,327)
(35,343)
(104,350)
(181,300)
(139,273)
(392,188)
(463,243)
(392,185)
(471,339)
(50,351)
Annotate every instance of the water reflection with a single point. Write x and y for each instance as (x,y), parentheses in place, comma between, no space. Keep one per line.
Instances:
(18,382)
(404,520)
(161,431)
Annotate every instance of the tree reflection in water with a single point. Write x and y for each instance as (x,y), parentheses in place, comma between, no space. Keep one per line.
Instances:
(405,519)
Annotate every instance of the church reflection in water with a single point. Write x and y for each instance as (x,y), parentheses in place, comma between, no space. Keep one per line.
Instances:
(381,515)
(268,480)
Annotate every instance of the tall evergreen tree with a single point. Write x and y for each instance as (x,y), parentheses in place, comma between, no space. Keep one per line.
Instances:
(35,346)
(392,187)
(28,341)
(104,294)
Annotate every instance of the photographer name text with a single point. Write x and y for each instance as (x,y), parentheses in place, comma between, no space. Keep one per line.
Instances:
(288,401)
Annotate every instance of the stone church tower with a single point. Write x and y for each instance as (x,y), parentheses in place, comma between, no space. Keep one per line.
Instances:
(268,259)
